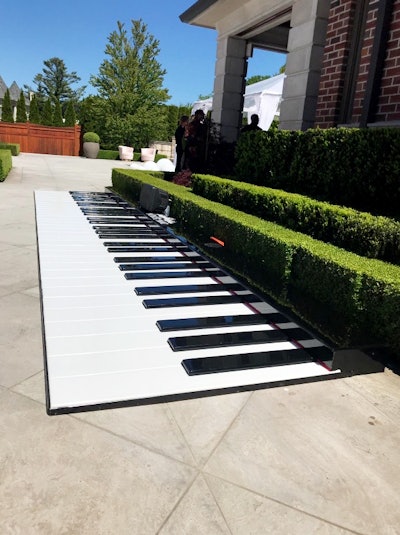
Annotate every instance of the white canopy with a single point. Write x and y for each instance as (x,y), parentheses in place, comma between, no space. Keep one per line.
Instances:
(262,98)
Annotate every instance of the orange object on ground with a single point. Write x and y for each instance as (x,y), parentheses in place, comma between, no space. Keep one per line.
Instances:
(220,242)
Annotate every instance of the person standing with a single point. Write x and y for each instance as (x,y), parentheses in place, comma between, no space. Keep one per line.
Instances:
(196,143)
(179,139)
(253,124)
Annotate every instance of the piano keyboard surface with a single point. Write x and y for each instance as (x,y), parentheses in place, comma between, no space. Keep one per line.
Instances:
(132,314)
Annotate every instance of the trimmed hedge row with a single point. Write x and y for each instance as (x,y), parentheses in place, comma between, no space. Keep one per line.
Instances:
(104,154)
(359,232)
(13,147)
(350,299)
(346,166)
(5,163)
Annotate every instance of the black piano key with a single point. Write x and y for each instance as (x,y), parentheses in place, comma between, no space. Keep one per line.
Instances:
(135,245)
(151,259)
(321,353)
(96,195)
(142,249)
(210,341)
(199,301)
(245,361)
(101,212)
(136,227)
(173,274)
(100,204)
(220,321)
(122,214)
(115,221)
(132,235)
(189,288)
(117,208)
(131,229)
(166,265)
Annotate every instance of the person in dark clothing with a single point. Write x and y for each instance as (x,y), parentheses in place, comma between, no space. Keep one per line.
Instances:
(253,124)
(196,143)
(179,138)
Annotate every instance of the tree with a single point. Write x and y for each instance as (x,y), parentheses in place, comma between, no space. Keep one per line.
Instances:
(205,97)
(257,78)
(92,114)
(21,109)
(57,115)
(34,115)
(55,83)
(70,117)
(7,111)
(173,114)
(130,84)
(47,113)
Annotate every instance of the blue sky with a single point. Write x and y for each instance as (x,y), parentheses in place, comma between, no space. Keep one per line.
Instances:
(77,31)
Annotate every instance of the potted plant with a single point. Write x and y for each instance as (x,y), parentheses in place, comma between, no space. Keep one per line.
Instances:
(91,144)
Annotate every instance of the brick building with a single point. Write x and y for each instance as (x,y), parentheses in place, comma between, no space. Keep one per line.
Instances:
(342,63)
(360,74)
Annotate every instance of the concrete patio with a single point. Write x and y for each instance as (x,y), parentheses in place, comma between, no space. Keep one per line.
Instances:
(319,458)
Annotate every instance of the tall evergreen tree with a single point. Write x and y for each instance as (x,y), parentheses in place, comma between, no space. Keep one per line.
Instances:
(47,113)
(34,115)
(56,83)
(91,113)
(70,117)
(131,83)
(57,115)
(7,111)
(21,109)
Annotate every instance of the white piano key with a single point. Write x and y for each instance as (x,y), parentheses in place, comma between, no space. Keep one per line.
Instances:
(123,386)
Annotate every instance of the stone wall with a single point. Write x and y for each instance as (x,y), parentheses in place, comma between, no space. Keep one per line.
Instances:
(165,147)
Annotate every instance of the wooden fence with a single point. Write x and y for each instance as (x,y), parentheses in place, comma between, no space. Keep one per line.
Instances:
(42,139)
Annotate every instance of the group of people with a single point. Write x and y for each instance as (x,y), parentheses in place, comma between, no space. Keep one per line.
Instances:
(191,141)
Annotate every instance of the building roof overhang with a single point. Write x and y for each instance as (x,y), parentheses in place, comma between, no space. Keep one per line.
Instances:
(201,13)
(269,30)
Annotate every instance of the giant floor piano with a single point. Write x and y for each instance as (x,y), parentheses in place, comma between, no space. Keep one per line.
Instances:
(133,314)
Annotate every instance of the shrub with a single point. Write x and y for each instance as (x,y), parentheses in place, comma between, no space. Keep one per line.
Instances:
(47,113)
(5,163)
(91,137)
(359,232)
(70,117)
(21,109)
(57,115)
(34,114)
(358,168)
(13,147)
(7,111)
(108,155)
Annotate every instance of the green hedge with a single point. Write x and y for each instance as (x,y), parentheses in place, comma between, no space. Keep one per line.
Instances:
(108,155)
(332,289)
(5,163)
(13,147)
(359,168)
(359,232)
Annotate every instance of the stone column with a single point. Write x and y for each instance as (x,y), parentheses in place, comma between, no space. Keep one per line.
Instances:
(303,65)
(229,86)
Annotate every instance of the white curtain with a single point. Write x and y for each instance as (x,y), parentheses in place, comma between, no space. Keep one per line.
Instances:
(268,109)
